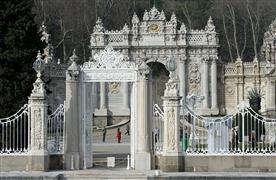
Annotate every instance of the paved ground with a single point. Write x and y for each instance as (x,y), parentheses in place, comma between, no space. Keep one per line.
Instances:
(110,148)
(132,174)
(110,136)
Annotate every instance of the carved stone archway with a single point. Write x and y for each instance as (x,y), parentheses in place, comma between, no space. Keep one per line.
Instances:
(107,66)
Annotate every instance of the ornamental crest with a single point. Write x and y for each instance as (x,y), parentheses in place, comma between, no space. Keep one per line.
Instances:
(109,59)
(154,14)
(194,78)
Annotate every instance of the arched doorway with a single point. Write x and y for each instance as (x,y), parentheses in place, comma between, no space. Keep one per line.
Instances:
(160,76)
(109,66)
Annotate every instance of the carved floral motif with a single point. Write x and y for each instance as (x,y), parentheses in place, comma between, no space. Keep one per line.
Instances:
(194,78)
(114,87)
(109,59)
(171,130)
(38,128)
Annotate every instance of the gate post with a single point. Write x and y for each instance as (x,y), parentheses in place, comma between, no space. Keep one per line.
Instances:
(172,159)
(39,159)
(143,151)
(72,120)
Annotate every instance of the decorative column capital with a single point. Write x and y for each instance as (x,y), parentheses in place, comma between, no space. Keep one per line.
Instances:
(143,70)
(172,88)
(205,59)
(182,59)
(214,60)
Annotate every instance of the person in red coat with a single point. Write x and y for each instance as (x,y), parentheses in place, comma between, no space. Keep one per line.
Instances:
(118,135)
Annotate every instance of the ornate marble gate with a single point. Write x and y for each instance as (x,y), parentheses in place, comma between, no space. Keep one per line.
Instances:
(107,66)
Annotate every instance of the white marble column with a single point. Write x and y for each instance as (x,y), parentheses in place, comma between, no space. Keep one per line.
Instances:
(182,78)
(102,95)
(214,85)
(205,84)
(142,151)
(72,109)
(270,94)
(125,95)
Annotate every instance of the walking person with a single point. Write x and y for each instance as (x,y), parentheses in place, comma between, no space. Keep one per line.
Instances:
(127,130)
(104,133)
(118,135)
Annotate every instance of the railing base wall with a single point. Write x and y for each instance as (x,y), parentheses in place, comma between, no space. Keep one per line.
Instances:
(235,163)
(24,163)
(143,161)
(39,163)
(56,162)
(172,163)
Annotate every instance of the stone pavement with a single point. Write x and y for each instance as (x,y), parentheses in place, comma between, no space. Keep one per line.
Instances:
(122,173)
(110,136)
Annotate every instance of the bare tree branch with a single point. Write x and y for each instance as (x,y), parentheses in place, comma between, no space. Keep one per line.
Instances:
(227,38)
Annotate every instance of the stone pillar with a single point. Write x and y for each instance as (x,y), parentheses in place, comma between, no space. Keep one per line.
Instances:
(273,54)
(182,78)
(172,159)
(270,94)
(214,85)
(125,96)
(205,84)
(102,95)
(38,159)
(143,148)
(102,111)
(73,143)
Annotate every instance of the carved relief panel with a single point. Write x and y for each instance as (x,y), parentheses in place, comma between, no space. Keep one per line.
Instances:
(194,78)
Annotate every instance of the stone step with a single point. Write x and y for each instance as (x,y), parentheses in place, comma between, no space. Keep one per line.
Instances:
(102,162)
(98,177)
(105,173)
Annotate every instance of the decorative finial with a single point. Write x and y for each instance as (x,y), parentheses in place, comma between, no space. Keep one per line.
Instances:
(39,64)
(210,25)
(73,69)
(162,16)
(135,19)
(173,18)
(74,57)
(183,28)
(126,29)
(99,26)
(146,16)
